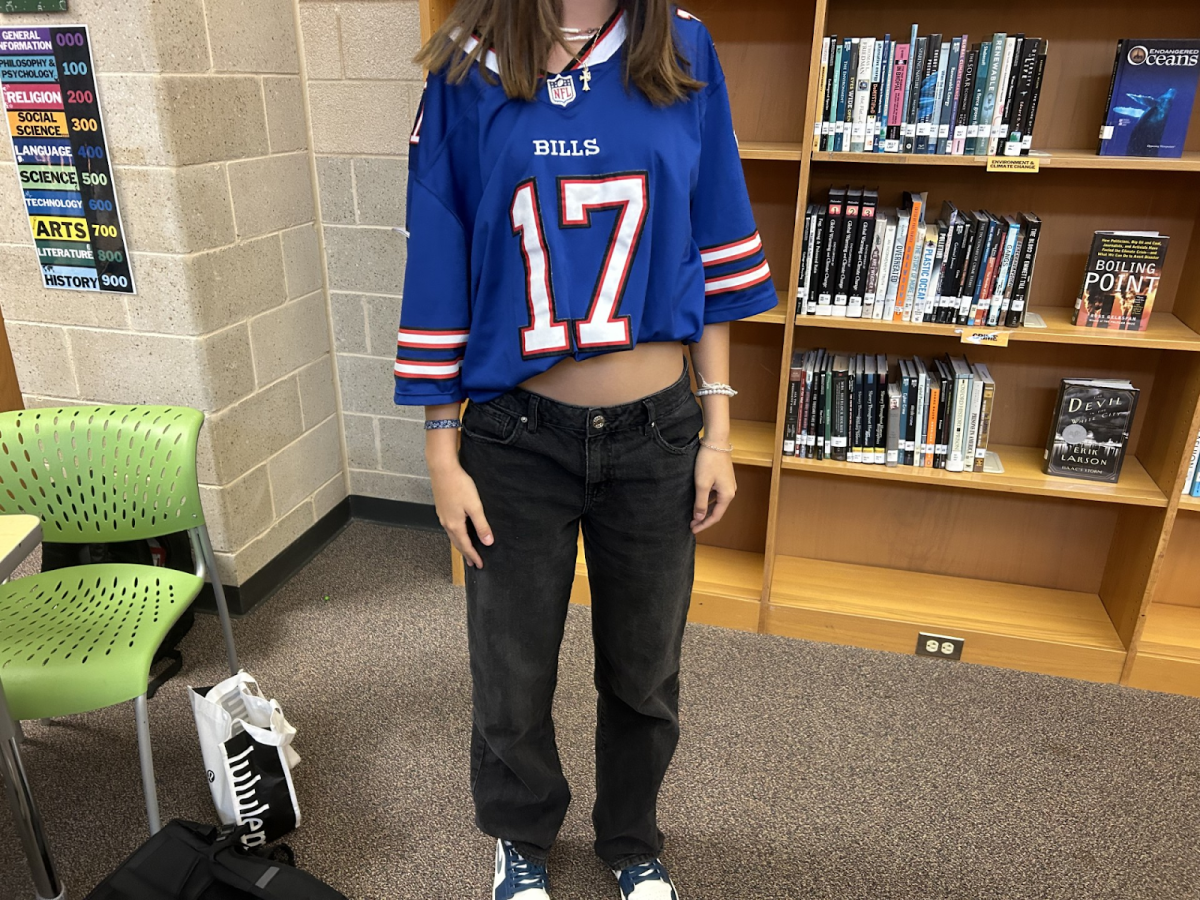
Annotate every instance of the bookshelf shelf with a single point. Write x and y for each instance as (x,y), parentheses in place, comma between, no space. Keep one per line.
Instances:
(1047,159)
(1168,656)
(1018,626)
(1190,504)
(1022,475)
(1166,332)
(753,442)
(777,150)
(779,314)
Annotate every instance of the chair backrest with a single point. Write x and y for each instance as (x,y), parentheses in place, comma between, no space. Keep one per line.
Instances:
(102,473)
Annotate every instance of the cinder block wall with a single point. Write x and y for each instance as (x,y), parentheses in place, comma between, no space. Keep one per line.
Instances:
(363,92)
(207,127)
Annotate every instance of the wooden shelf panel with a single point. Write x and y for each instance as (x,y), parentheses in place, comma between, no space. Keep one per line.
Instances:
(1192,504)
(1166,332)
(1047,159)
(1012,625)
(1172,631)
(777,150)
(779,314)
(726,591)
(1022,475)
(753,442)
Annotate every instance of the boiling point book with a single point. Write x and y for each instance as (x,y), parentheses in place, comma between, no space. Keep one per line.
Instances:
(1092,421)
(1121,280)
(1150,97)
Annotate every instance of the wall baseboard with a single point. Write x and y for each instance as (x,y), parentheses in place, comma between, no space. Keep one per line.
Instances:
(245,598)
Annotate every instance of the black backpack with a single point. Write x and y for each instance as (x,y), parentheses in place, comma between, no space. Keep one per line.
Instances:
(188,861)
(172,551)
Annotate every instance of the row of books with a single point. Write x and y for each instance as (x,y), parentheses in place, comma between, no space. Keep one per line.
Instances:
(862,261)
(1191,486)
(932,95)
(856,408)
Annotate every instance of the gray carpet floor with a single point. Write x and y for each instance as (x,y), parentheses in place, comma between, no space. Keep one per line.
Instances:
(805,770)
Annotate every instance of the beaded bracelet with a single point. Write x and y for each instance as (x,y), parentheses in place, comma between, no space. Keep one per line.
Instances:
(704,443)
(718,388)
(434,424)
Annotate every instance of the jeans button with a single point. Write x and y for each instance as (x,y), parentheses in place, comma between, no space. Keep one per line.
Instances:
(598,422)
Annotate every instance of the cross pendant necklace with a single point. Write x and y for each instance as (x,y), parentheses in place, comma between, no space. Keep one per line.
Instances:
(586,78)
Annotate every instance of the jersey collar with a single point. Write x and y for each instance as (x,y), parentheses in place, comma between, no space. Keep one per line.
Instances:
(602,50)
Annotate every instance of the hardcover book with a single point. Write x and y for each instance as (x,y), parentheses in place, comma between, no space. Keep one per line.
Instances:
(1150,98)
(1091,428)
(1121,280)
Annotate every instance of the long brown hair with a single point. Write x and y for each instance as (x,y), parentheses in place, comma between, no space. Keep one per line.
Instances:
(524,32)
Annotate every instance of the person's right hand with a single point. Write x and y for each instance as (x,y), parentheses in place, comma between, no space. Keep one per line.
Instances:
(457,500)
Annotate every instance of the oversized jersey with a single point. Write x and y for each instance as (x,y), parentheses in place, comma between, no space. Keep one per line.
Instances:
(583,222)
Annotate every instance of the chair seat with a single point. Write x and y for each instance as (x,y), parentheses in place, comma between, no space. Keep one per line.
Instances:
(79,639)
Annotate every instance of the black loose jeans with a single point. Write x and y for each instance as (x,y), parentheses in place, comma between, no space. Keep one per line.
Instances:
(624,474)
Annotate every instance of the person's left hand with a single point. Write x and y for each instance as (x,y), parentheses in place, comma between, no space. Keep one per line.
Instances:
(715,487)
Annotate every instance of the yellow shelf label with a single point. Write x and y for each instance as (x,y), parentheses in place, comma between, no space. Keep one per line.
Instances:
(1013,164)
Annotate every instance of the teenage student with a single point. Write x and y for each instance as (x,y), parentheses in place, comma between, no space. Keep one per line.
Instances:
(579,228)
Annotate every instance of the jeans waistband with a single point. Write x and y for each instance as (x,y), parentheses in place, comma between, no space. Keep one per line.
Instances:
(539,410)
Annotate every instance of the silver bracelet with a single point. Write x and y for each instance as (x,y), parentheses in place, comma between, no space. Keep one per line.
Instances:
(434,424)
(713,389)
(704,443)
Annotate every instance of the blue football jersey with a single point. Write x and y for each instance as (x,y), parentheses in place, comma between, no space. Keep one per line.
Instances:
(585,221)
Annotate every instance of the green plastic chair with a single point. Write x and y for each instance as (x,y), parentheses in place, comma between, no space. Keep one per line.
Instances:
(79,639)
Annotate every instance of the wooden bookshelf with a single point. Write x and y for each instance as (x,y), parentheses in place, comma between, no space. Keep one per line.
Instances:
(1043,574)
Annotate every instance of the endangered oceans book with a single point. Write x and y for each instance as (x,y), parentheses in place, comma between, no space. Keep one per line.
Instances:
(1121,280)
(1092,421)
(1150,97)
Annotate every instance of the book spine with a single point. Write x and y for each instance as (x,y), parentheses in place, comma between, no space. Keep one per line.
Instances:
(972,436)
(857,418)
(939,450)
(870,407)
(896,100)
(823,102)
(870,289)
(907,413)
(873,99)
(985,425)
(950,96)
(846,262)
(920,418)
(935,396)
(881,411)
(828,408)
(1106,130)
(1016,310)
(851,91)
(924,273)
(833,241)
(966,283)
(839,120)
(917,76)
(865,238)
(977,94)
(829,102)
(947,289)
(1011,277)
(962,388)
(862,94)
(892,447)
(915,223)
(962,118)
(983,290)
(997,130)
(791,416)
(1027,132)
(983,142)
(805,261)
(1005,256)
(841,410)
(1023,88)
(939,98)
(898,247)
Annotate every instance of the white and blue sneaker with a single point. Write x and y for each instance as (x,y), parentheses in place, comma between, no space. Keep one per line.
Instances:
(518,878)
(647,881)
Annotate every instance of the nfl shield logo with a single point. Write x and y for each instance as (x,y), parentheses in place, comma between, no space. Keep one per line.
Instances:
(562,89)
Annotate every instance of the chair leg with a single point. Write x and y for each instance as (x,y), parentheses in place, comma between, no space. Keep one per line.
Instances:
(146,760)
(202,548)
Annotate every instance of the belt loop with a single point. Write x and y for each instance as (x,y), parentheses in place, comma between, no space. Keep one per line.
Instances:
(531,414)
(649,404)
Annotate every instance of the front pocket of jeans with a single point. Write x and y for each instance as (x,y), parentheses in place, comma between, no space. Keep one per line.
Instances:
(679,434)
(490,426)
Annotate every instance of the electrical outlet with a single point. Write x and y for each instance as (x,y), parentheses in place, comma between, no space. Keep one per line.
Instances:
(940,646)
